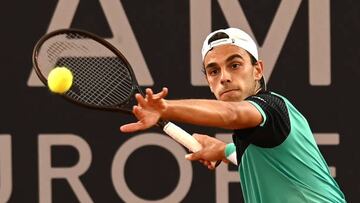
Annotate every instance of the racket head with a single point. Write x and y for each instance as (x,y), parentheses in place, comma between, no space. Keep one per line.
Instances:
(102,76)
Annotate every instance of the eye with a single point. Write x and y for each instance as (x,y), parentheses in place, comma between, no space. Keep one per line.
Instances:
(235,65)
(212,72)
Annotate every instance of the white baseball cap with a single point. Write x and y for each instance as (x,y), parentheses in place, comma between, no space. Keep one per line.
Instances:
(237,37)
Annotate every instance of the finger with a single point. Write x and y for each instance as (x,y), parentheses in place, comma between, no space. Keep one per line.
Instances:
(131,127)
(210,167)
(149,93)
(140,99)
(197,135)
(207,163)
(165,91)
(137,111)
(162,94)
(225,160)
(199,138)
(193,156)
(188,156)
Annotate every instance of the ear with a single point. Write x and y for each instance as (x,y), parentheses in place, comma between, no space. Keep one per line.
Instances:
(259,70)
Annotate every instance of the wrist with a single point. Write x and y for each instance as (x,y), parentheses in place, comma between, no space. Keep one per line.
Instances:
(222,150)
(164,110)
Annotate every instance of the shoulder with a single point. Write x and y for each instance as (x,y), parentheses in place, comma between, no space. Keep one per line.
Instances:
(273,108)
(269,101)
(266,96)
(276,122)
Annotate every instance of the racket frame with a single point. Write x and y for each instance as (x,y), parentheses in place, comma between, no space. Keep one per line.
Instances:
(168,127)
(115,51)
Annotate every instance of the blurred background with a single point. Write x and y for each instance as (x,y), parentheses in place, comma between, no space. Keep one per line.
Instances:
(53,151)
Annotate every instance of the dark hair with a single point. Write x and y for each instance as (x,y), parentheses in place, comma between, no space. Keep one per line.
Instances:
(217,36)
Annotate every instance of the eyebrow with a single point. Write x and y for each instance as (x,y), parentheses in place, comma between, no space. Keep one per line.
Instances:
(230,58)
(211,65)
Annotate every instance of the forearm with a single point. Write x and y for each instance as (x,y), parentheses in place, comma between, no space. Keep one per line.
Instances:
(203,112)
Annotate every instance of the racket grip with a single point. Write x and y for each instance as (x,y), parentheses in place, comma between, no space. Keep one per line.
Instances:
(184,138)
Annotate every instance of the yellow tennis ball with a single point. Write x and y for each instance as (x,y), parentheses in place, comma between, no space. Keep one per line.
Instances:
(60,80)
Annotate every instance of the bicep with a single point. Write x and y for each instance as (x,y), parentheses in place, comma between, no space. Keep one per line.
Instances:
(248,115)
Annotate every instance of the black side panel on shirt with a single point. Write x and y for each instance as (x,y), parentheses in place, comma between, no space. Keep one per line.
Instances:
(274,131)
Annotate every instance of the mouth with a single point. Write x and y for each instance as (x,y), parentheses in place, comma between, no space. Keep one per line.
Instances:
(227,91)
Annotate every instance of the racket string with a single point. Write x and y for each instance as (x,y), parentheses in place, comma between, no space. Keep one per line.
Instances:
(97,90)
(100,78)
(108,88)
(109,75)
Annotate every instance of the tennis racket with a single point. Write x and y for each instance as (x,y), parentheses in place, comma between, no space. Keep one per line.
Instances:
(103,78)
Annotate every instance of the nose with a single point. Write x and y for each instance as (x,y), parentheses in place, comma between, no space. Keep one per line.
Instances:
(225,77)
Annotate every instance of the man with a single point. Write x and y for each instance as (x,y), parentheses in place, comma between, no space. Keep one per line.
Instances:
(274,148)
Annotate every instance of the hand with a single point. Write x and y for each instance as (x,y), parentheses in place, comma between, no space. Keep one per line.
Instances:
(148,111)
(213,150)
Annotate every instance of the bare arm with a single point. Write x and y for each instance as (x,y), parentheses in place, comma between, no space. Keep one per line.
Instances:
(228,115)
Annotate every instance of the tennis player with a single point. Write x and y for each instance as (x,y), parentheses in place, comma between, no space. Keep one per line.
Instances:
(277,157)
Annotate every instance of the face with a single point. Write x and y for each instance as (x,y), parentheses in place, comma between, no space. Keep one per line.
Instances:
(230,74)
